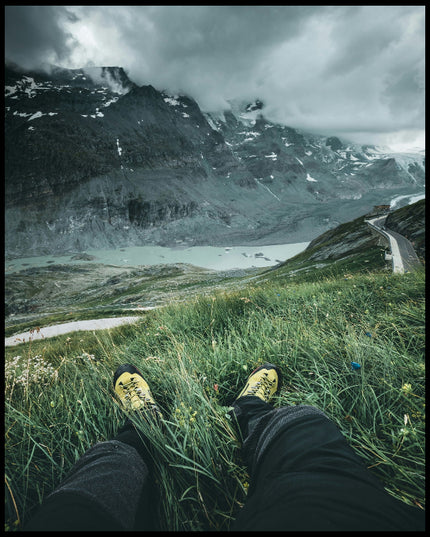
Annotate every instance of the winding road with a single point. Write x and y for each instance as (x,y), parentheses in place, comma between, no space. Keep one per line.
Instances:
(404,257)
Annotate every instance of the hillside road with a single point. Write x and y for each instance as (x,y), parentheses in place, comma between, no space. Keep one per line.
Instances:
(404,257)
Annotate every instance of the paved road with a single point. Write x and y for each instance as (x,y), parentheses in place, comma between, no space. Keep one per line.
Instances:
(409,257)
(404,257)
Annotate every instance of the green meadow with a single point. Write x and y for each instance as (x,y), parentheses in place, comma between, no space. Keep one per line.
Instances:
(196,356)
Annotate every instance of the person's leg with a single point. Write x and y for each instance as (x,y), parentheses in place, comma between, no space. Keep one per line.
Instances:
(259,422)
(253,401)
(109,486)
(101,492)
(304,475)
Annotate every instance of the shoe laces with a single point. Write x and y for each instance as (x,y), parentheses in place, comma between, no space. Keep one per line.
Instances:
(264,384)
(132,390)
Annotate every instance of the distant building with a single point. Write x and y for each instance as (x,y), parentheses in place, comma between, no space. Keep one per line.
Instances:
(379,210)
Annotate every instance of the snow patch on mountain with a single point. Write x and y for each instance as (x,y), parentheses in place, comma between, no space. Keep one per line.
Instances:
(36,115)
(412,199)
(97,114)
(172,101)
(267,188)
(111,101)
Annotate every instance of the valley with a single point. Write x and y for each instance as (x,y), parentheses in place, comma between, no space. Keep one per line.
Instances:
(56,293)
(205,204)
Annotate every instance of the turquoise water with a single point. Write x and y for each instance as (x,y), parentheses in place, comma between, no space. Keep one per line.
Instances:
(211,257)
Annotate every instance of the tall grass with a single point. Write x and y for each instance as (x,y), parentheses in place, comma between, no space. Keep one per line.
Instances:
(196,357)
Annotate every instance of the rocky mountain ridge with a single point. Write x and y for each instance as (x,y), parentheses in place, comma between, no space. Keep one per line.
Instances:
(94,161)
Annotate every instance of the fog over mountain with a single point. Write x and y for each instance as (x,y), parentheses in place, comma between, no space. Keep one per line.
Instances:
(350,71)
(94,160)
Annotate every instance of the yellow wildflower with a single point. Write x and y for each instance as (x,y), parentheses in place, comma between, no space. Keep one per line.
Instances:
(406,388)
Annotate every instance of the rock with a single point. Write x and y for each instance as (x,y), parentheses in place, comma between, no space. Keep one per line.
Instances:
(334,143)
(83,257)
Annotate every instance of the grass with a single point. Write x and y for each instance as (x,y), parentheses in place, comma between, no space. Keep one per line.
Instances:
(196,357)
(51,295)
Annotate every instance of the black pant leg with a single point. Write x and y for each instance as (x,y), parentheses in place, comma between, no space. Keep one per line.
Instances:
(247,411)
(103,491)
(305,477)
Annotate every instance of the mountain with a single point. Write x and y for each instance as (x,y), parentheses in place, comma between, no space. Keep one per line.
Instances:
(92,161)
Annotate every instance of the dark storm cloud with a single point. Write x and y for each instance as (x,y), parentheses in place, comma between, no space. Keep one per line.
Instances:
(35,34)
(201,49)
(226,32)
(342,69)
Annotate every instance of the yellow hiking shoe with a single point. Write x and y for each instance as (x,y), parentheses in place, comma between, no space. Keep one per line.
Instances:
(264,382)
(133,390)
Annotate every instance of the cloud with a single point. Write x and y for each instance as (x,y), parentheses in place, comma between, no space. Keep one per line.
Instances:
(35,34)
(334,69)
(103,77)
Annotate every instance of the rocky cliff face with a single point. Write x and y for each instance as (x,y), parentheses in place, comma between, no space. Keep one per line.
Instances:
(94,161)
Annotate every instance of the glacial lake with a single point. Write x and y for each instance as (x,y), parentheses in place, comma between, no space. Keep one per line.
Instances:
(211,257)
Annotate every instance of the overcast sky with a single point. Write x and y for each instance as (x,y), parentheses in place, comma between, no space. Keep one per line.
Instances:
(354,71)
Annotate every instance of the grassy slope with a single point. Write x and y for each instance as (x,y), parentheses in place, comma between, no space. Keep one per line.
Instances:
(196,356)
(59,293)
